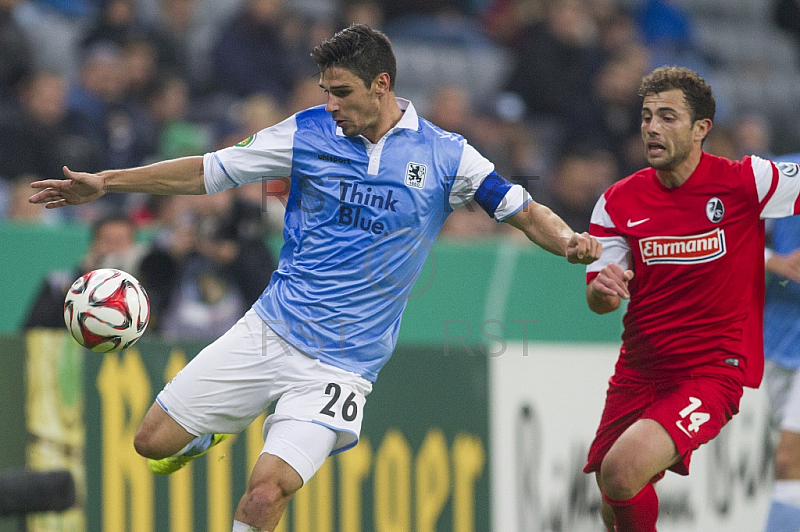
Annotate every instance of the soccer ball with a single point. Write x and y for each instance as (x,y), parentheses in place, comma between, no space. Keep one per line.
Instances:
(106,310)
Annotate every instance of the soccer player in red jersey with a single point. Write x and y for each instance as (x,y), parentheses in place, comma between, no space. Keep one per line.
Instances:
(683,240)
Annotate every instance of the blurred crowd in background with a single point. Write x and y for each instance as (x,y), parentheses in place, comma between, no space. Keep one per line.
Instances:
(546,89)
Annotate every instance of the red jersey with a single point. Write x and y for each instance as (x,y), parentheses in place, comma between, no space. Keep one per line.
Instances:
(697,252)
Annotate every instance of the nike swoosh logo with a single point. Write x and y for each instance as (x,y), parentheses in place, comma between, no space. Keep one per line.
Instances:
(678,423)
(637,222)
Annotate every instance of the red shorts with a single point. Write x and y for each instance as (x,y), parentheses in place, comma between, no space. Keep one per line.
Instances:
(693,410)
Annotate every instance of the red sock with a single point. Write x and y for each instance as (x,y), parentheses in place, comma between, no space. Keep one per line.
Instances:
(637,514)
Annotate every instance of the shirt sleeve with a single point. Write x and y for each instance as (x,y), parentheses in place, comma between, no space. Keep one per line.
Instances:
(476,179)
(265,156)
(616,248)
(778,186)
(472,169)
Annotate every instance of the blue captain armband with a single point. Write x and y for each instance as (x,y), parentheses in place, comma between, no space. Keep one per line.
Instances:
(491,192)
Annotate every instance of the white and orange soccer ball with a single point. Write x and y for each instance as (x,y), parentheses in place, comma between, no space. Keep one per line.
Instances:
(106,310)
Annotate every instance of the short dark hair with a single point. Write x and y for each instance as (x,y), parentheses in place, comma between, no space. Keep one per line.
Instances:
(695,89)
(360,49)
(109,219)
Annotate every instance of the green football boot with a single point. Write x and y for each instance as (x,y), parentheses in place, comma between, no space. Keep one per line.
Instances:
(170,464)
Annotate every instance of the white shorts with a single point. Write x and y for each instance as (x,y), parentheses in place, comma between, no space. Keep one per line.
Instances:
(236,378)
(783,388)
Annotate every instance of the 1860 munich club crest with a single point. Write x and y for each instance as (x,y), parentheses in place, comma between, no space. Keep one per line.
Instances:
(415,175)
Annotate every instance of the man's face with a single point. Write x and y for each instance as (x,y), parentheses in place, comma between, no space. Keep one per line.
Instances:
(354,107)
(668,131)
(113,238)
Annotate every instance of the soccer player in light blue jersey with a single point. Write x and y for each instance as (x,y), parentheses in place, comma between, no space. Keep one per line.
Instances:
(371,185)
(782,365)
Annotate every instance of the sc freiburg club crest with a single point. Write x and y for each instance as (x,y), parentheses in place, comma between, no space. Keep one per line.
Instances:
(715,210)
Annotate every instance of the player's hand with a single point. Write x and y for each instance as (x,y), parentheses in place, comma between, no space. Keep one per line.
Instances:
(613,281)
(787,266)
(583,249)
(77,188)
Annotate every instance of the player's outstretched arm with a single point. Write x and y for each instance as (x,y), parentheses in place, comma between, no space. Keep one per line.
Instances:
(177,176)
(606,291)
(546,229)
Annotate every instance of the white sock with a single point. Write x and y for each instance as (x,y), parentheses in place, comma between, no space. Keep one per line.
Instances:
(238,526)
(787,492)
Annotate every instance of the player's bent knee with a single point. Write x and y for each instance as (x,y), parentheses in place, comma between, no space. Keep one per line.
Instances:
(156,444)
(148,445)
(143,444)
(269,493)
(619,480)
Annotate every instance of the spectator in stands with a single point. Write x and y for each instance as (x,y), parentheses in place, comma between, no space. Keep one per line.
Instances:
(747,134)
(99,108)
(367,12)
(207,267)
(424,9)
(721,141)
(752,135)
(581,174)
(506,20)
(14,204)
(178,28)
(558,61)
(15,53)
(251,55)
(140,60)
(451,110)
(36,137)
(250,115)
(305,93)
(787,18)
(665,23)
(54,29)
(612,114)
(113,245)
(167,101)
(115,22)
(668,31)
(617,28)
(118,22)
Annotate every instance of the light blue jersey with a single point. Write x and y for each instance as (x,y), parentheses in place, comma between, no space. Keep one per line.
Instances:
(782,309)
(359,223)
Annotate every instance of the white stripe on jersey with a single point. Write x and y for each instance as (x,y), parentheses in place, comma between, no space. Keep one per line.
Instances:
(783,200)
(472,170)
(268,157)
(762,170)
(516,198)
(615,248)
(600,215)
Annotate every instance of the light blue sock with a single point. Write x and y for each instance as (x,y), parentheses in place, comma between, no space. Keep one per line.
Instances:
(783,518)
(197,445)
